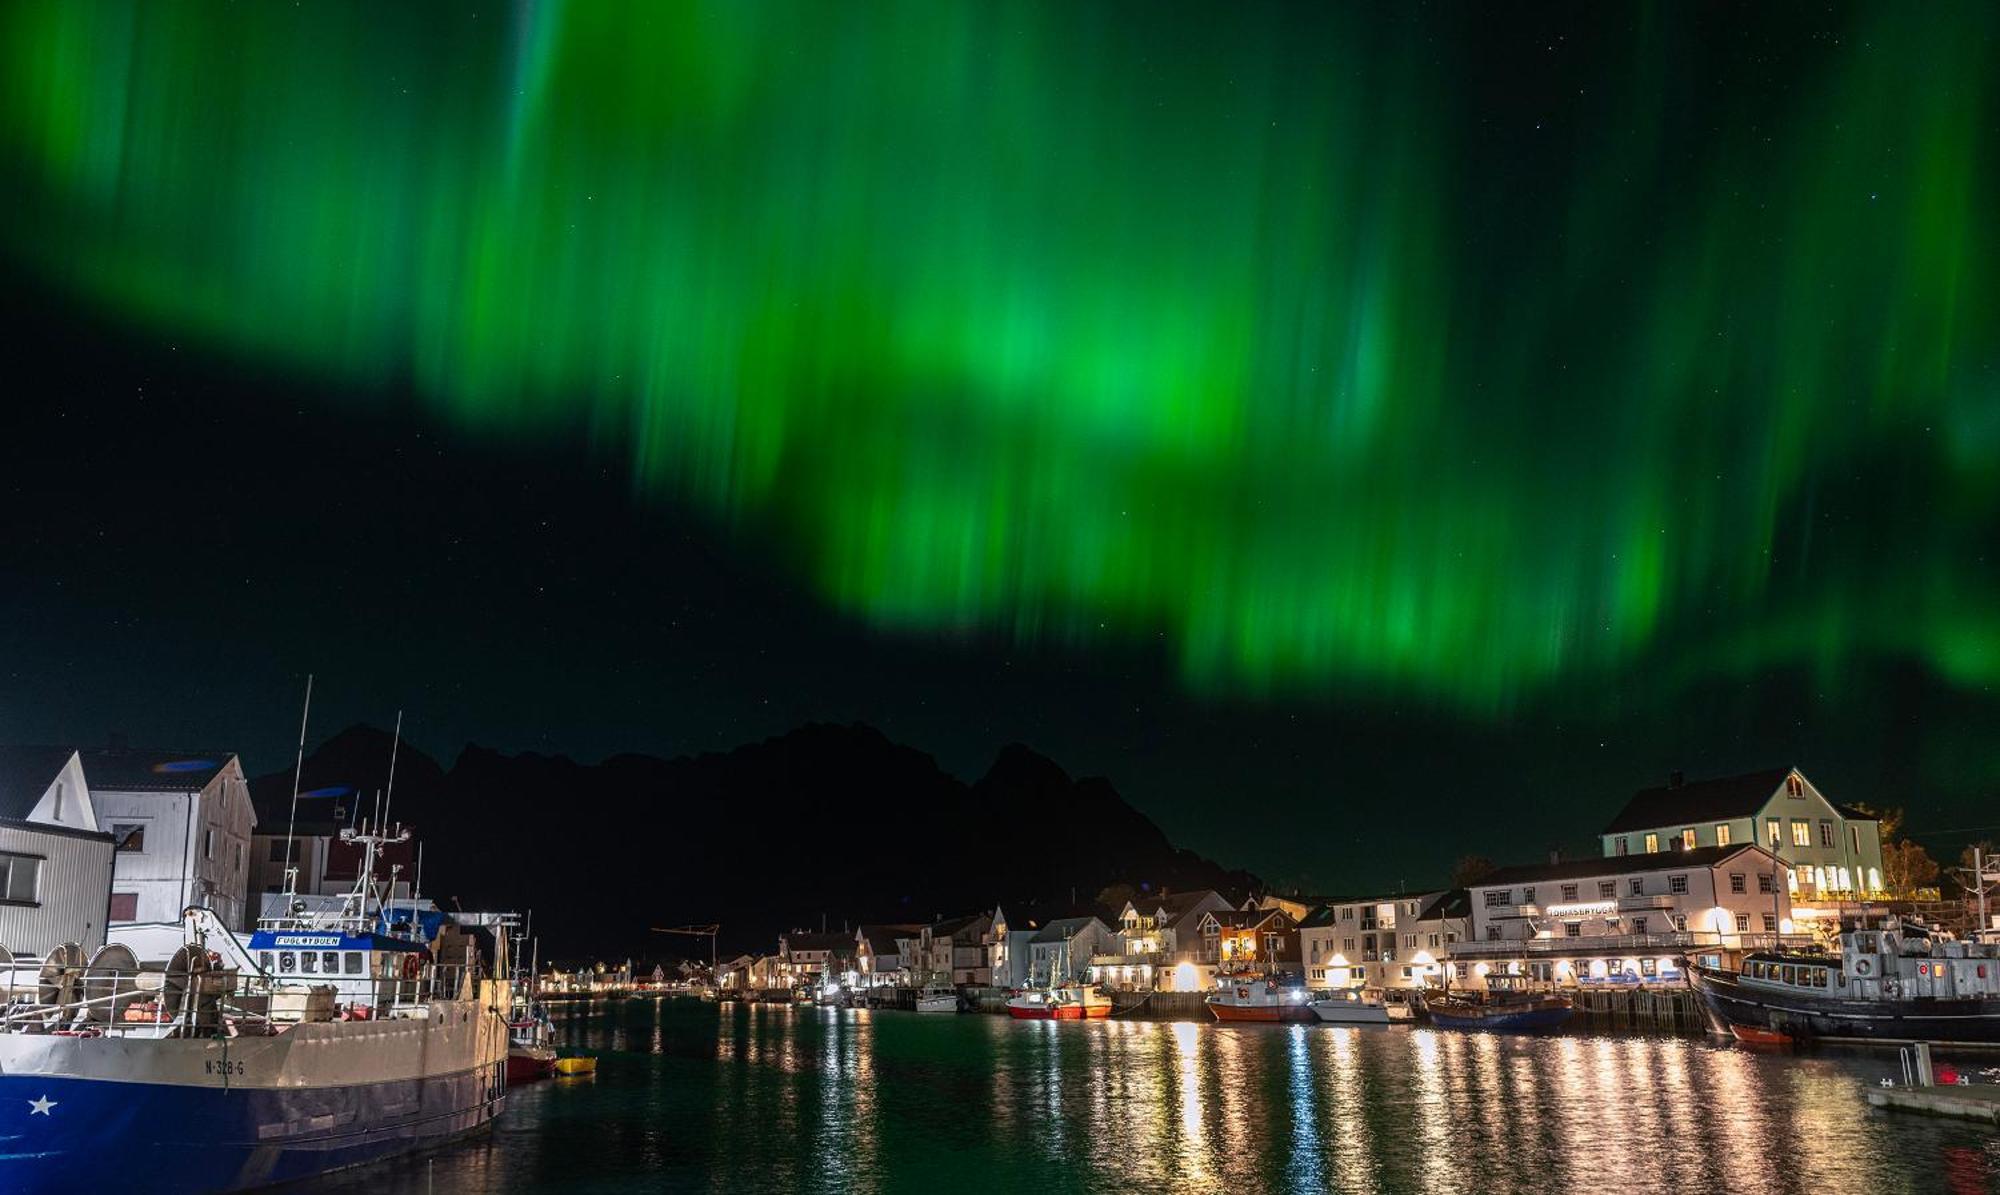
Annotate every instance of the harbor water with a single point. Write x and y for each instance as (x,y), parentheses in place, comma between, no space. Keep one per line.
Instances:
(698,1097)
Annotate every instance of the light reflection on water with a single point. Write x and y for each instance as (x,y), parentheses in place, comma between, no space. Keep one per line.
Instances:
(770,1098)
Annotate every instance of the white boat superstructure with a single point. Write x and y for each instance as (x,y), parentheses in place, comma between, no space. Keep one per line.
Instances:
(937,997)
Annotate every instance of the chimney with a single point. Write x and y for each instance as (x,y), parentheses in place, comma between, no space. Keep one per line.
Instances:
(1676,778)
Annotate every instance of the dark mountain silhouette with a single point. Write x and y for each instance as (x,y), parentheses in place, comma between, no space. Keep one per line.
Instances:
(827,824)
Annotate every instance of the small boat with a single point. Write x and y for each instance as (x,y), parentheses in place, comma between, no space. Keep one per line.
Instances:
(1500,1012)
(1899,981)
(576,1065)
(1076,1003)
(937,997)
(1350,1006)
(1244,999)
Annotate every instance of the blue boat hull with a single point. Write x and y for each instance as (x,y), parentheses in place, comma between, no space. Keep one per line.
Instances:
(1508,1022)
(60,1135)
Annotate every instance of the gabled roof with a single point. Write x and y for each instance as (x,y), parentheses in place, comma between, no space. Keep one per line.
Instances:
(1062,929)
(1689,804)
(951,926)
(119,769)
(1610,865)
(883,939)
(25,775)
(1455,903)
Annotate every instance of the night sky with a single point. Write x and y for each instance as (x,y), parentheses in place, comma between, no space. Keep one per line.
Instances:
(1366,436)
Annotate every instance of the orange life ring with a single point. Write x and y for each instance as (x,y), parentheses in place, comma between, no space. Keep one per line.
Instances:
(410,966)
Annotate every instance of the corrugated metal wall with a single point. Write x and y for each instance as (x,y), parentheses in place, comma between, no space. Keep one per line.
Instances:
(72,894)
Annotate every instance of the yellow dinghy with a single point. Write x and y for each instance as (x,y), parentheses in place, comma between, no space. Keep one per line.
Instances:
(576,1066)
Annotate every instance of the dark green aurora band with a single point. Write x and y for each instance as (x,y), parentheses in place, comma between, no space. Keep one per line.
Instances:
(1268,338)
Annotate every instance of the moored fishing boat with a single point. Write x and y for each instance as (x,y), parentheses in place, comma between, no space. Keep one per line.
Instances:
(1895,982)
(325,1044)
(1500,1012)
(1246,999)
(1073,1003)
(1350,1006)
(937,997)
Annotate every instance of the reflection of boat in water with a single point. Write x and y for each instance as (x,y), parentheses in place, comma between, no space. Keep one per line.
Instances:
(1500,1011)
(1350,1006)
(1898,982)
(1074,1003)
(1245,999)
(937,997)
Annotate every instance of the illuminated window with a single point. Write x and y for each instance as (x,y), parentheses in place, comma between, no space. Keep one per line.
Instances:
(1687,839)
(1874,879)
(1722,834)
(1795,785)
(1801,833)
(1652,844)
(1736,882)
(1777,834)
(1678,885)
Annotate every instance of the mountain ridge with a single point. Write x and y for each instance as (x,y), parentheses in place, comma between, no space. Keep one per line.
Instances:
(826,823)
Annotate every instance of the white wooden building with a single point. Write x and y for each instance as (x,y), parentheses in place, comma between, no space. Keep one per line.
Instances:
(1628,918)
(55,863)
(182,822)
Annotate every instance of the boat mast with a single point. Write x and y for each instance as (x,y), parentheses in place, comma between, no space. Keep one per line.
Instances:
(291,824)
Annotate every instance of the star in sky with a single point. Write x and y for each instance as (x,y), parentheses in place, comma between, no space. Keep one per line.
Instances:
(41,1106)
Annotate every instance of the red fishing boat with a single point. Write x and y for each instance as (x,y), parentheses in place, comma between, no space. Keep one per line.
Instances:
(1059,1004)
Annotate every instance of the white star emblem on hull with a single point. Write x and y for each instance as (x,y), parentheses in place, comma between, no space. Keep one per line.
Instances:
(41,1106)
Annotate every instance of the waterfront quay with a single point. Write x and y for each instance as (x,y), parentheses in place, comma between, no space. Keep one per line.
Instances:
(1686,873)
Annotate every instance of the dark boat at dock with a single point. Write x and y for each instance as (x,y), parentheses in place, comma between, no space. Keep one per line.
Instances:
(1898,982)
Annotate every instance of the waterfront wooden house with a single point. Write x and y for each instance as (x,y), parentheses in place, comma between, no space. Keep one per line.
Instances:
(953,950)
(1834,852)
(1628,919)
(1158,945)
(1242,941)
(1060,951)
(183,824)
(815,959)
(55,857)
(878,954)
(1393,941)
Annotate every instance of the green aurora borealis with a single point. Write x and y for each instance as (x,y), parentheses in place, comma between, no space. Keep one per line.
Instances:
(1293,343)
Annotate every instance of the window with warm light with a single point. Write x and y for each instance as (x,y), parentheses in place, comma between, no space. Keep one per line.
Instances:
(1652,844)
(1776,829)
(1687,839)
(1722,833)
(1801,833)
